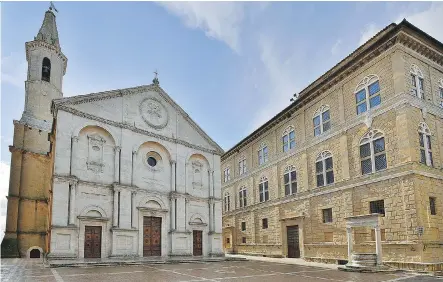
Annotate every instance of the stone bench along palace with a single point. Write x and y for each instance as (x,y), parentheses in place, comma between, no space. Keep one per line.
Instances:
(113,174)
(364,138)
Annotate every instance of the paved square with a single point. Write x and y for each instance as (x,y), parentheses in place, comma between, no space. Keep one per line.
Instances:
(256,271)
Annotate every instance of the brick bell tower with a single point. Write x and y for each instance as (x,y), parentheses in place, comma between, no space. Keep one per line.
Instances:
(28,221)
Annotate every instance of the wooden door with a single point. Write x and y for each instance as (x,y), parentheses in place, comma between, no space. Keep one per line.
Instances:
(93,241)
(152,236)
(197,243)
(293,242)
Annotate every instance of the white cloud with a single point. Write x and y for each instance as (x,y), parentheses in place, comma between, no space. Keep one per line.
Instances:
(366,34)
(4,188)
(336,47)
(14,69)
(430,20)
(219,20)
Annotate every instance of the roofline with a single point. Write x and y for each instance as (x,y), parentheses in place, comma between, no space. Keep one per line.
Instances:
(382,35)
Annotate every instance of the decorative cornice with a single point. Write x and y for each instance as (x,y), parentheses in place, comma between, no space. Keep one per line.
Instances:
(12,148)
(63,102)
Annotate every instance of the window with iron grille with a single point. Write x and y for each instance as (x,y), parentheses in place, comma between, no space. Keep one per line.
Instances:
(263,190)
(322,120)
(263,155)
(242,166)
(243,240)
(227,174)
(324,169)
(327,215)
(290,180)
(432,207)
(264,223)
(372,152)
(424,135)
(228,240)
(367,94)
(243,226)
(288,139)
(377,207)
(242,197)
(417,82)
(227,202)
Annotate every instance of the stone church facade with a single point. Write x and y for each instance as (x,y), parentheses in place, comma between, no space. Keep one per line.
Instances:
(366,137)
(118,173)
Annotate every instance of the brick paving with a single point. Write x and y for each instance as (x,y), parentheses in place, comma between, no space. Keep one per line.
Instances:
(256,271)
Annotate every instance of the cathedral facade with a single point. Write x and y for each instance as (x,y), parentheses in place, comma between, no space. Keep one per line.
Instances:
(121,173)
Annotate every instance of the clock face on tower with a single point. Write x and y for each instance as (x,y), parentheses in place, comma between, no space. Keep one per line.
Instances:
(154,113)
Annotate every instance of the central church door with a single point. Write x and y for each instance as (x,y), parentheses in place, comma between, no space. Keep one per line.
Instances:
(152,236)
(93,241)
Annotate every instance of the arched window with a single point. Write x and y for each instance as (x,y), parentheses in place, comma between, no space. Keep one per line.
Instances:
(227,202)
(288,139)
(242,197)
(263,189)
(324,169)
(425,144)
(46,70)
(367,94)
(262,154)
(417,82)
(290,180)
(322,120)
(372,152)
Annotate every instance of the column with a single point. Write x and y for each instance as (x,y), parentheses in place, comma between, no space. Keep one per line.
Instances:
(117,164)
(212,183)
(378,245)
(134,153)
(72,203)
(349,235)
(74,145)
(173,164)
(115,215)
(134,209)
(211,215)
(172,209)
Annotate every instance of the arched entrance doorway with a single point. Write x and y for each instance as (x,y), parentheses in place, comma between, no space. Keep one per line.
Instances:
(35,253)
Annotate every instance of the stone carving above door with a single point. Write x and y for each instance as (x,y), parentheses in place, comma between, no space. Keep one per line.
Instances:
(154,113)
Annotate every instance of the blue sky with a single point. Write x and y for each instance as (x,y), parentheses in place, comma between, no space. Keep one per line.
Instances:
(230,65)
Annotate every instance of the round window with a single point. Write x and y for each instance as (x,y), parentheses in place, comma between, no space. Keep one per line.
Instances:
(152,161)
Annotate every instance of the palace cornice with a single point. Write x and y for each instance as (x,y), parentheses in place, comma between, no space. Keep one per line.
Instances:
(39,43)
(80,99)
(381,42)
(404,170)
(136,129)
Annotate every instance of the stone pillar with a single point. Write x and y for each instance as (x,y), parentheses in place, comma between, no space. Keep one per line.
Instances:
(73,152)
(72,203)
(378,245)
(172,209)
(115,215)
(211,183)
(344,156)
(117,164)
(173,164)
(349,235)
(211,215)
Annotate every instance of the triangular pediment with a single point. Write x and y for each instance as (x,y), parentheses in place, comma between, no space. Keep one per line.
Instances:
(144,109)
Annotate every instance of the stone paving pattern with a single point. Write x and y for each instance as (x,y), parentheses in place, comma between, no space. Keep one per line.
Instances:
(33,270)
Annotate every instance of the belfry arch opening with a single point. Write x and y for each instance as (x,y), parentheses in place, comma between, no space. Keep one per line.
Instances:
(46,70)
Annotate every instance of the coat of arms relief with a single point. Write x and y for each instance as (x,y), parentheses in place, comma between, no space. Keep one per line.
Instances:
(154,113)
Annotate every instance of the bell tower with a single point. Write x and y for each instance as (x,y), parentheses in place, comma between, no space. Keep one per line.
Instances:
(29,197)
